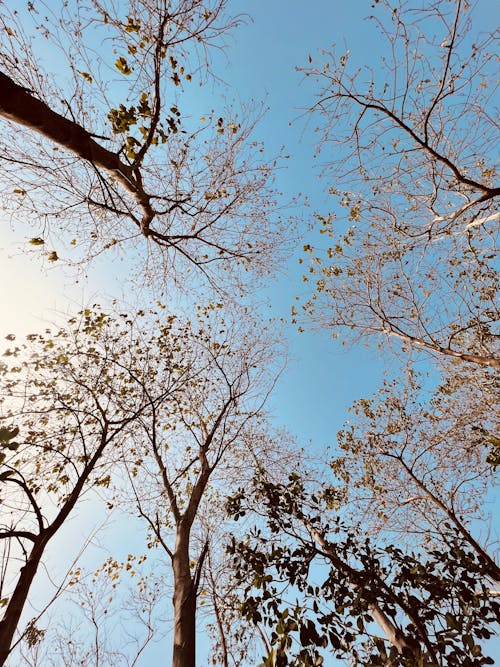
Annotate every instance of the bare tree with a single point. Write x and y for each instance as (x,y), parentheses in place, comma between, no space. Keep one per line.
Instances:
(109,617)
(82,402)
(414,466)
(109,156)
(195,446)
(67,399)
(408,148)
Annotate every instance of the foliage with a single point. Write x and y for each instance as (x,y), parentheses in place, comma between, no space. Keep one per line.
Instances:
(139,409)
(410,462)
(159,418)
(322,589)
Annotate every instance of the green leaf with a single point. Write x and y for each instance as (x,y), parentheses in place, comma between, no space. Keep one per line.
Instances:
(451,621)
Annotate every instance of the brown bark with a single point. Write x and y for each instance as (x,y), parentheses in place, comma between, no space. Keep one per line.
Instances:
(184,602)
(19,106)
(15,607)
(16,604)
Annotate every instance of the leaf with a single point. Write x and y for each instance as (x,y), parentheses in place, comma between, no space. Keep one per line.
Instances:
(36,241)
(53,257)
(121,64)
(86,76)
(7,434)
(5,475)
(133,25)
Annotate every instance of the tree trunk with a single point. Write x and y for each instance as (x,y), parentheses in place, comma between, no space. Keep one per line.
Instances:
(19,106)
(16,603)
(27,573)
(184,601)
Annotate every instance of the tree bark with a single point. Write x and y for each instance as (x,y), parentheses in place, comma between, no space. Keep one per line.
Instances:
(16,604)
(19,106)
(184,601)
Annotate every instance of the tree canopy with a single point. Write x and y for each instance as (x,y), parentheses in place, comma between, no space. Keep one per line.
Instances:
(108,155)
(408,157)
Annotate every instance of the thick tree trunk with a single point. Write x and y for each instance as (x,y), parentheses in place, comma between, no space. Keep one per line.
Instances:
(184,602)
(18,105)
(16,603)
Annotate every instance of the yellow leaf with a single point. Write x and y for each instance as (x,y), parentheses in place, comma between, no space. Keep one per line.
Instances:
(86,76)
(122,65)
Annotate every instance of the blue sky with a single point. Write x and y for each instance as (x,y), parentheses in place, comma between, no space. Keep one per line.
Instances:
(322,378)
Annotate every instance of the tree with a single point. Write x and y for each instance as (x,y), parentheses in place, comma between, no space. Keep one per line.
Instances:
(325,590)
(410,265)
(235,641)
(103,619)
(413,261)
(412,465)
(157,414)
(67,399)
(110,145)
(202,438)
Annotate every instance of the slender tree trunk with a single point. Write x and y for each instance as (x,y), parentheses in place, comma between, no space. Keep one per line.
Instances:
(184,601)
(27,573)
(491,568)
(393,634)
(218,615)
(492,362)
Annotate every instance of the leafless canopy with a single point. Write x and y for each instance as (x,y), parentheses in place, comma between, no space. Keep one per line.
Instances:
(414,171)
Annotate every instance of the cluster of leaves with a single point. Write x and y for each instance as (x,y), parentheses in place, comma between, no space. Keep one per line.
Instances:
(411,459)
(432,599)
